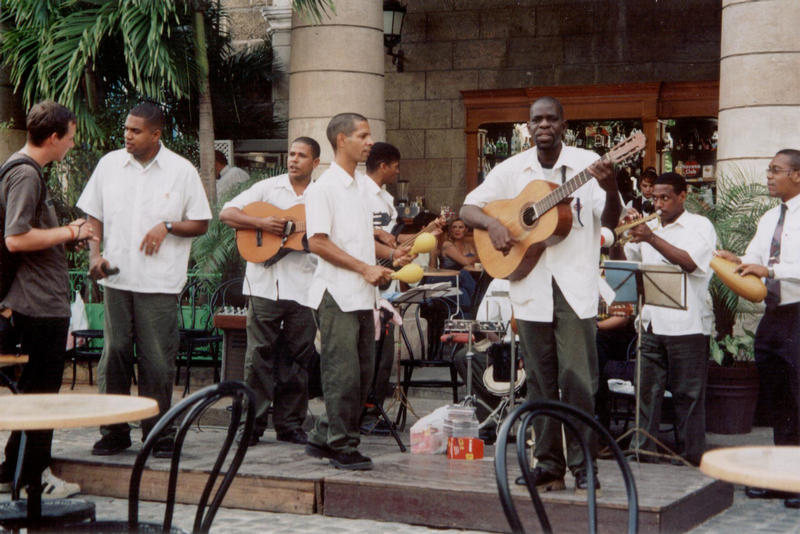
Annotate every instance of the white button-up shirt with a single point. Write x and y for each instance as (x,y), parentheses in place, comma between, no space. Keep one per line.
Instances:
(290,277)
(381,204)
(787,270)
(573,262)
(335,206)
(695,235)
(130,200)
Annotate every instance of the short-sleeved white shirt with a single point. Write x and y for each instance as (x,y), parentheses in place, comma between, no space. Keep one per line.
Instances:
(695,234)
(787,270)
(130,200)
(573,262)
(290,277)
(381,205)
(335,206)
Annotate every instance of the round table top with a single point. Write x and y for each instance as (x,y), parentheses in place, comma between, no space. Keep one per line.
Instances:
(768,467)
(46,411)
(440,272)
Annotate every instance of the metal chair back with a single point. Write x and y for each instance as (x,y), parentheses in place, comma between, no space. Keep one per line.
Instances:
(572,418)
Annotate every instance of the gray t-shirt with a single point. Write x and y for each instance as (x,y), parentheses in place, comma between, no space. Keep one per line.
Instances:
(41,287)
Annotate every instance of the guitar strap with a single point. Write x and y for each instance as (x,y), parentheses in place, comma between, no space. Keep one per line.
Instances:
(563,174)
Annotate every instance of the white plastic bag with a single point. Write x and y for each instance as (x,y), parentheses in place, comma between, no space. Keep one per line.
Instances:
(427,434)
(78,320)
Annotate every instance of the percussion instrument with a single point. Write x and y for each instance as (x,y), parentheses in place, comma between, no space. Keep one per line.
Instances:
(410,274)
(749,286)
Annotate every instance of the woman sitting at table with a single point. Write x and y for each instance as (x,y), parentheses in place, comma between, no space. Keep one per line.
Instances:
(458,250)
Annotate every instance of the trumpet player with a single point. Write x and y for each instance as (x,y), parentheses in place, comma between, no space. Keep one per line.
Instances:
(774,254)
(675,342)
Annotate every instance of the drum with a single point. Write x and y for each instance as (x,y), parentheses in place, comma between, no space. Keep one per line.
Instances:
(496,376)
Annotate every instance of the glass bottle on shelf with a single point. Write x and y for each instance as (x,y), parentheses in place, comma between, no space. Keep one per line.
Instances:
(515,144)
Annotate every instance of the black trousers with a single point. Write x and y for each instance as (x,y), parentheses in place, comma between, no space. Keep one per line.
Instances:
(44,339)
(777,348)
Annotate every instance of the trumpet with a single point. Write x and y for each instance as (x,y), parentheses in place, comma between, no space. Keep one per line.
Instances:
(621,229)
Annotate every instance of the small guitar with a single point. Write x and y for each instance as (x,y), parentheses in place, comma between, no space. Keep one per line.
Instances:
(538,217)
(259,246)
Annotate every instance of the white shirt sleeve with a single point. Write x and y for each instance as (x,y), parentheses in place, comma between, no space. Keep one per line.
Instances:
(494,187)
(258,193)
(195,206)
(319,212)
(91,199)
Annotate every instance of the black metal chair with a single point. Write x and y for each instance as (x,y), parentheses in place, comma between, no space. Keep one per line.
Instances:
(572,418)
(89,351)
(242,401)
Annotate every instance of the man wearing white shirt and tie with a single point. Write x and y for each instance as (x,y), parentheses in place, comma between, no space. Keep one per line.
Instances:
(675,342)
(278,305)
(774,254)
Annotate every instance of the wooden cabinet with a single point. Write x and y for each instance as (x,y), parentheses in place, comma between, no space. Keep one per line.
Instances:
(647,103)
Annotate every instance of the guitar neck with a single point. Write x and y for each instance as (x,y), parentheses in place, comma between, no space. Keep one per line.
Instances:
(560,193)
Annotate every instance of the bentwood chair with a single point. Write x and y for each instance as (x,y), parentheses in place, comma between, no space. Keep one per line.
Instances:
(188,411)
(573,419)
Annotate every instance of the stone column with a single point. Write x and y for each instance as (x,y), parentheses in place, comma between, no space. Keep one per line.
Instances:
(759,99)
(337,66)
(279,30)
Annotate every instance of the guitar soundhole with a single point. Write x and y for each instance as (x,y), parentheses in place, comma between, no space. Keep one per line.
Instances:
(529,216)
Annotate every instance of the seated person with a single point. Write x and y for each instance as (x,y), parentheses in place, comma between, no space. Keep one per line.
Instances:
(615,331)
(456,252)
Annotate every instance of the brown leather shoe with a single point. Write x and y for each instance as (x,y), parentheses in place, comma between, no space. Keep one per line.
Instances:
(544,480)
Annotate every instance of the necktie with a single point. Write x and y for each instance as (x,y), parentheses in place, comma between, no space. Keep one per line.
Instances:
(774,286)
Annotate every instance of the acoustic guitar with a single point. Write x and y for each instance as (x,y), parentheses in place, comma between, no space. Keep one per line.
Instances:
(538,217)
(259,246)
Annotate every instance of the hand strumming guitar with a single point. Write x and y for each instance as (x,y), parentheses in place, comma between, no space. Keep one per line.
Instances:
(500,236)
(402,256)
(603,171)
(274,225)
(385,237)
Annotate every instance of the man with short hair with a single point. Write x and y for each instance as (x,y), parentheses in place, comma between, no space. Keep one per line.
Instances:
(146,203)
(556,303)
(339,229)
(278,307)
(774,254)
(228,176)
(675,342)
(644,203)
(39,296)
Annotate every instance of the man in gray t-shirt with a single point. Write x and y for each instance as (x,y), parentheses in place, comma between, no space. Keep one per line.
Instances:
(38,298)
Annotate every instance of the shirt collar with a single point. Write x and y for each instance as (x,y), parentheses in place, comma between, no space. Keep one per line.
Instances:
(534,164)
(342,175)
(284,182)
(682,220)
(157,159)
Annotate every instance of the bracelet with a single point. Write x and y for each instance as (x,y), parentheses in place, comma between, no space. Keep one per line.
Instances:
(71,232)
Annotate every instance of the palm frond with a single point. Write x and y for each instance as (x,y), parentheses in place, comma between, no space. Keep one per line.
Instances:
(313,9)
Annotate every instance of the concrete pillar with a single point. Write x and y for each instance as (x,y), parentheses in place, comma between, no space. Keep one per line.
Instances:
(337,66)
(279,30)
(759,99)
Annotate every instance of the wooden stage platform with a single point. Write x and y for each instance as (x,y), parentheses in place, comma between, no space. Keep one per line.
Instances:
(414,489)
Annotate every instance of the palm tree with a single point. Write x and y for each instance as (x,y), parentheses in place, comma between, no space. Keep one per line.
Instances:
(70,50)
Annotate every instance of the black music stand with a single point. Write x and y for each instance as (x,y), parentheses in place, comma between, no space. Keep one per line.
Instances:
(372,400)
(402,302)
(663,285)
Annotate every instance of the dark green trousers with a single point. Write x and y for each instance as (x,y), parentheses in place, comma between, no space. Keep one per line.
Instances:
(680,364)
(560,356)
(150,322)
(275,359)
(383,386)
(346,367)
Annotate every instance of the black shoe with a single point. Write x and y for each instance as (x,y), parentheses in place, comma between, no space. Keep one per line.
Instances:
(793,501)
(293,436)
(318,451)
(544,481)
(763,493)
(111,444)
(164,447)
(582,482)
(353,461)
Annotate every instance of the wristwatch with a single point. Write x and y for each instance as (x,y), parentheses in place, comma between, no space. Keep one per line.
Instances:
(168,226)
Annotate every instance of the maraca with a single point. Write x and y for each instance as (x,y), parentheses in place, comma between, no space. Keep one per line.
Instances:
(425,242)
(410,274)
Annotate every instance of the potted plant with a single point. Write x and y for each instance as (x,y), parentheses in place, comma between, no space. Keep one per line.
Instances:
(732,387)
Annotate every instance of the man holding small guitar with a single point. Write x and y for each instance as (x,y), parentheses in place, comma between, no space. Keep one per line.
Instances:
(556,302)
(278,305)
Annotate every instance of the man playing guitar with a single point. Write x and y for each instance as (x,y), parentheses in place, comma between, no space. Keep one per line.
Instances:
(556,302)
(278,296)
